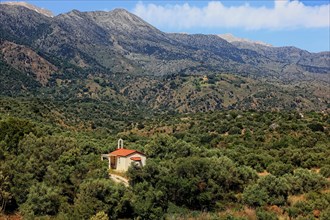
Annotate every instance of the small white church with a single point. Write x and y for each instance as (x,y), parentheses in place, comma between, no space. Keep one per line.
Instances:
(121,159)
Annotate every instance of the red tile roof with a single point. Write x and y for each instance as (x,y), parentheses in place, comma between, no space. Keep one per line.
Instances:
(124,152)
(136,158)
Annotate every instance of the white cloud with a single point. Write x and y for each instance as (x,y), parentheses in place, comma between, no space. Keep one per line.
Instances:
(284,15)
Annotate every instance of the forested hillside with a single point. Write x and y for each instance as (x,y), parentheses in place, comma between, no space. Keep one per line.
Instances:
(219,165)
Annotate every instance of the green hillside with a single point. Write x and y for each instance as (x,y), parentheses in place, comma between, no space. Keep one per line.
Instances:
(216,165)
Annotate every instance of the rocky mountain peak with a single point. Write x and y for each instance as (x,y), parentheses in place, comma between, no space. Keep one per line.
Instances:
(31,7)
(74,14)
(231,38)
(121,12)
(120,20)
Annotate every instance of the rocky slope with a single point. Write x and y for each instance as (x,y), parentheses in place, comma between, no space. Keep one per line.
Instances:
(116,55)
(233,39)
(26,60)
(31,7)
(290,55)
(122,42)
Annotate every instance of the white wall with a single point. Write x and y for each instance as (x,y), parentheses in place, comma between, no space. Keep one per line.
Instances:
(123,163)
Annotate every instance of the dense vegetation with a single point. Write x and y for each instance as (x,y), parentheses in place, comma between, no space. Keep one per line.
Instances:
(216,165)
(66,100)
(13,80)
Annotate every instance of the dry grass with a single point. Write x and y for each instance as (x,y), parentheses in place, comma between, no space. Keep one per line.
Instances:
(265,173)
(11,217)
(275,209)
(316,170)
(122,174)
(326,190)
(201,216)
(296,198)
(246,212)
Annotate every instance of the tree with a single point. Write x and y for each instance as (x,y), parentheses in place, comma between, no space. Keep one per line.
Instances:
(100,216)
(255,196)
(277,188)
(99,195)
(304,180)
(167,147)
(148,202)
(265,215)
(293,212)
(268,190)
(12,131)
(42,200)
(325,215)
(5,194)
(279,168)
(316,127)
(325,171)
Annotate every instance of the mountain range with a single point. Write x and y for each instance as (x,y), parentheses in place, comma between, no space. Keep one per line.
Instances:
(115,55)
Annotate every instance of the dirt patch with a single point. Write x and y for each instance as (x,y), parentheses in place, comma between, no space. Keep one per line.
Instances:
(296,198)
(265,173)
(11,217)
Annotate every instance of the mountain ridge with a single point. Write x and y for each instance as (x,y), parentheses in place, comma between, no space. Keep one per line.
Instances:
(231,38)
(42,11)
(97,53)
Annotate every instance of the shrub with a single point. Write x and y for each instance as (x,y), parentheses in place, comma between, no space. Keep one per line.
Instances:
(325,215)
(316,127)
(310,180)
(279,168)
(265,215)
(100,216)
(42,200)
(234,130)
(255,196)
(325,171)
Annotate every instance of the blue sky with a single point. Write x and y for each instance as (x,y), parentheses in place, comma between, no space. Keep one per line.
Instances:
(304,24)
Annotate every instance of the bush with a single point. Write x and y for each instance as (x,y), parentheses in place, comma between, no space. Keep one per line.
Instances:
(279,168)
(325,215)
(255,196)
(304,180)
(264,215)
(268,190)
(100,216)
(99,195)
(316,127)
(325,171)
(303,208)
(234,130)
(42,200)
(277,188)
